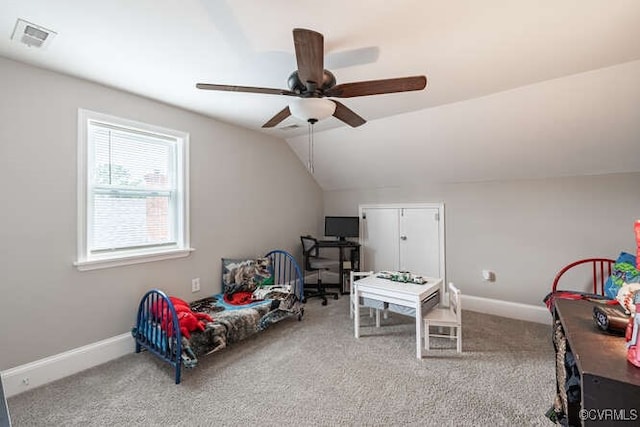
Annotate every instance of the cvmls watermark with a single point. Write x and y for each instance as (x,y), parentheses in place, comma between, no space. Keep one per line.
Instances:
(608,414)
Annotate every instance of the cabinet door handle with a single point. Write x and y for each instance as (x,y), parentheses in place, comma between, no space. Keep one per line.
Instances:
(403,237)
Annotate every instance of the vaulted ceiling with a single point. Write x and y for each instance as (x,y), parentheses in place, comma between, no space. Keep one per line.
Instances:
(516,89)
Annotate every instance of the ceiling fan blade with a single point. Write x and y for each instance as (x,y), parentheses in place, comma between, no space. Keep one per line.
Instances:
(248,89)
(309,47)
(278,118)
(347,115)
(377,87)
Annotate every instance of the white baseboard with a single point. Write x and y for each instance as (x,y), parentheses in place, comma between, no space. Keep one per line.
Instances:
(43,371)
(512,310)
(25,377)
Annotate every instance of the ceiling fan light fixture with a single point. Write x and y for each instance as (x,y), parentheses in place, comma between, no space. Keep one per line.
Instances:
(312,83)
(312,108)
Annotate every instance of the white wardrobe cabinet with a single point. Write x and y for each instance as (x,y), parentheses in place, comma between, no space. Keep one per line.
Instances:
(403,237)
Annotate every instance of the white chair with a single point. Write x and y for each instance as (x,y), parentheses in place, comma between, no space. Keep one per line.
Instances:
(355,275)
(450,317)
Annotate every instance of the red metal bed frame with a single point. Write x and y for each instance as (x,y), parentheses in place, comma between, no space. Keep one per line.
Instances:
(600,268)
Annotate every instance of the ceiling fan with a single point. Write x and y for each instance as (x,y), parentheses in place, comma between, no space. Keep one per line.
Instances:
(311,82)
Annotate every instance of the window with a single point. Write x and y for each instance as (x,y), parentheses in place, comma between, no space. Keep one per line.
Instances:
(132,192)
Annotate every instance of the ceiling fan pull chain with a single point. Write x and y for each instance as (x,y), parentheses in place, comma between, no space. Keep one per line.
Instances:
(310,154)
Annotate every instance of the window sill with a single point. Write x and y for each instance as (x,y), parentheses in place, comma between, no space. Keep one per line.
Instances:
(95,264)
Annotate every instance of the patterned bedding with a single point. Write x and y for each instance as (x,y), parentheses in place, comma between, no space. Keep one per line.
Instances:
(233,323)
(256,294)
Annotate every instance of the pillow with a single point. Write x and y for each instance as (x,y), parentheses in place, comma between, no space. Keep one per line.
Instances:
(245,275)
(624,271)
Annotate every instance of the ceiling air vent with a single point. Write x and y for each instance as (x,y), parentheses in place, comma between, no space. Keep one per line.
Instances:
(31,34)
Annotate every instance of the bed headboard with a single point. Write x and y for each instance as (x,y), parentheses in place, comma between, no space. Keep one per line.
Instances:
(286,271)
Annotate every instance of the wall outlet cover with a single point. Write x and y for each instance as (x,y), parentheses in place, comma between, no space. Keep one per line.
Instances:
(488,276)
(195,284)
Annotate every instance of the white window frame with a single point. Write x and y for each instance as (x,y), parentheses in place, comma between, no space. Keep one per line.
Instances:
(86,260)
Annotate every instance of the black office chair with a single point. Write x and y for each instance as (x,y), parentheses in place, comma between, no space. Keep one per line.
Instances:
(313,262)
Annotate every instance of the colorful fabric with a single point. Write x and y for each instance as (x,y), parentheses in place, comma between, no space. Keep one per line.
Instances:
(624,271)
(239,298)
(218,302)
(233,323)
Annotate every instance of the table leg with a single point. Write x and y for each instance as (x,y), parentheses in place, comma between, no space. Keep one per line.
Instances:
(340,270)
(419,325)
(356,312)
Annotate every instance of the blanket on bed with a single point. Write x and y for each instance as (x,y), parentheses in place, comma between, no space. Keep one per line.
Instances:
(233,323)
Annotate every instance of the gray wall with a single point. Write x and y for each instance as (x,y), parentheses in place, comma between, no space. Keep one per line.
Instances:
(249,194)
(523,230)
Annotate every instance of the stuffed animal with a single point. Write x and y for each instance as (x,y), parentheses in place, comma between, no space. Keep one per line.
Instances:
(187,319)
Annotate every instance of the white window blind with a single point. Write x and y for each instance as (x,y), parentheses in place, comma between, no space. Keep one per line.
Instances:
(135,190)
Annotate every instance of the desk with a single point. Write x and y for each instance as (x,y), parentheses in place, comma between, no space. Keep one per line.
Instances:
(404,294)
(354,258)
(607,381)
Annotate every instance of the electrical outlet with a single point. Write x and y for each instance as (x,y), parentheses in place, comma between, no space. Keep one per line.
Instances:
(488,276)
(195,284)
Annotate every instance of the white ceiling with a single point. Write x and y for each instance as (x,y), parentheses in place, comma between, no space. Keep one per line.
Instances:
(516,89)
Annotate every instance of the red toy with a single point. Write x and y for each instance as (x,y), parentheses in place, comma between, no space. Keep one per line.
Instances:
(187,318)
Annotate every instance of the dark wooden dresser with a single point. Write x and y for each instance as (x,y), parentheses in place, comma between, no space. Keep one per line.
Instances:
(5,421)
(609,385)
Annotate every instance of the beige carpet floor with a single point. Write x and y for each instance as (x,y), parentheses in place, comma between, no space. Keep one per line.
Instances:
(314,372)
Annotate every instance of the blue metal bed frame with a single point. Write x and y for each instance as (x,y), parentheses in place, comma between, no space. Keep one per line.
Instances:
(156,309)
(286,271)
